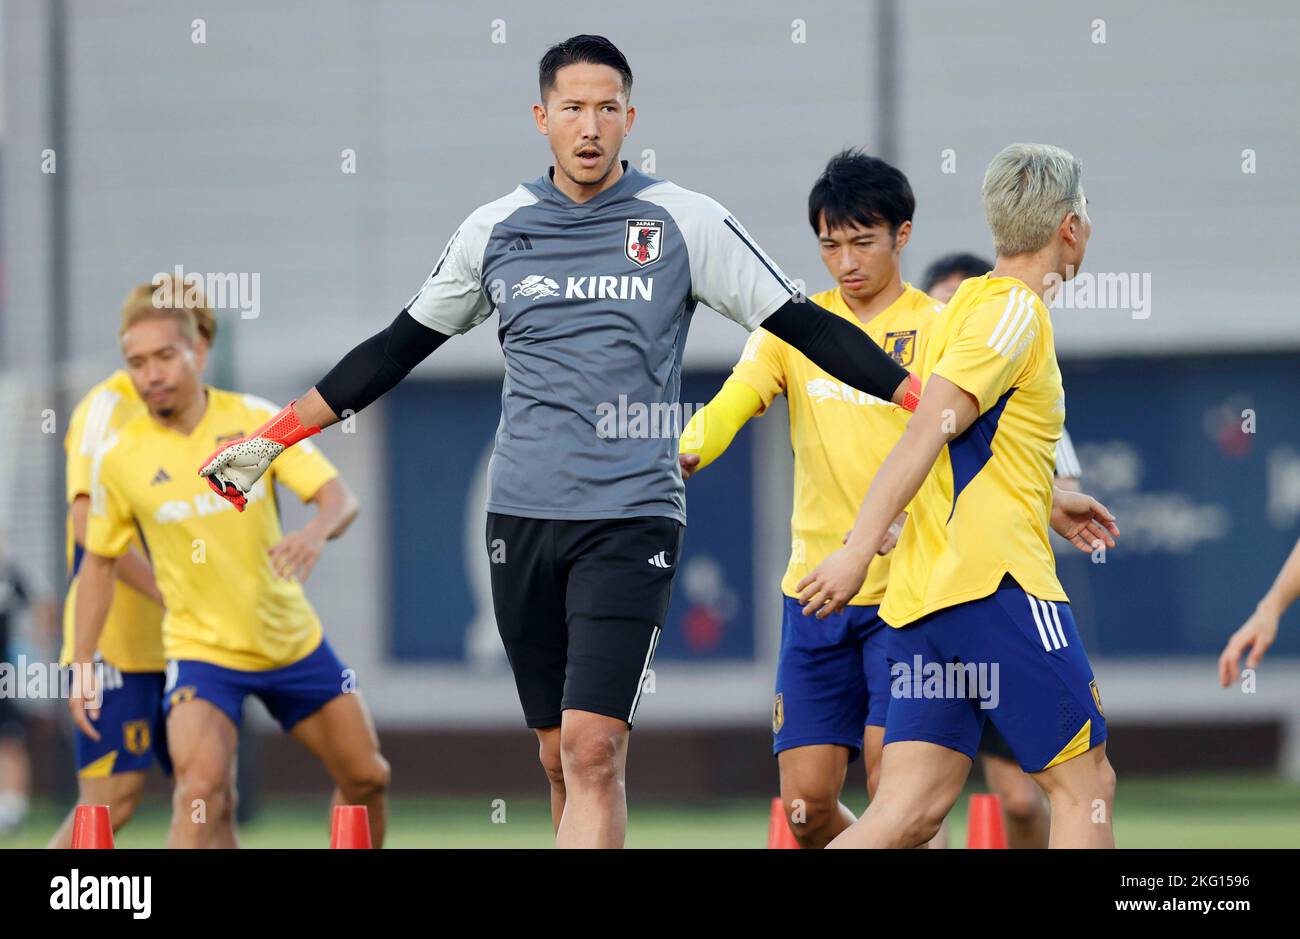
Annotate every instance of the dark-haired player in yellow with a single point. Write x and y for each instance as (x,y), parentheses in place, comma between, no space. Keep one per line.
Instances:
(237,622)
(832,680)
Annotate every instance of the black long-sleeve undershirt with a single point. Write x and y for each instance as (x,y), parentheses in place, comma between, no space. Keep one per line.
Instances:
(375,366)
(839,347)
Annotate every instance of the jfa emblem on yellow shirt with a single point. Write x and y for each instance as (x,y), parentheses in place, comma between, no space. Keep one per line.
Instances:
(135,736)
(901,346)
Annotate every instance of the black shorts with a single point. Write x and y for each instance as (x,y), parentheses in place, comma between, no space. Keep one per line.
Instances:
(580,606)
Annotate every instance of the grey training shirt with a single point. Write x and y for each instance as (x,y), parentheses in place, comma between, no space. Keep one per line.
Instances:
(595,300)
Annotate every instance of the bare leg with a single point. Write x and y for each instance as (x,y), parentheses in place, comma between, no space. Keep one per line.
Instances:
(1082,793)
(548,739)
(593,753)
(1027,813)
(342,736)
(811,780)
(202,742)
(120,792)
(919,782)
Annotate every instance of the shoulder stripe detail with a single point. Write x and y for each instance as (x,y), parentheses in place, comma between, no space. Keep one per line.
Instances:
(99,415)
(1003,341)
(997,330)
(735,230)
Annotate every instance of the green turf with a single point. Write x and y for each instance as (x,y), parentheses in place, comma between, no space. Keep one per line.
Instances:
(1166,812)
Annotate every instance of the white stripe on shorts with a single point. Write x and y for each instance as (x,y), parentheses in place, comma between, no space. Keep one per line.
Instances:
(645,670)
(1038,621)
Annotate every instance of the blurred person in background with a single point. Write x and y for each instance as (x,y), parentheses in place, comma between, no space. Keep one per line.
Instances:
(236,620)
(1025,809)
(18,593)
(1259,632)
(112,770)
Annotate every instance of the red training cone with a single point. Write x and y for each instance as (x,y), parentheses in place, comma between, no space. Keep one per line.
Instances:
(984,827)
(91,827)
(351,827)
(779,834)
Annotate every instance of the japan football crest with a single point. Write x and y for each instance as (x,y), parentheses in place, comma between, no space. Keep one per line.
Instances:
(644,241)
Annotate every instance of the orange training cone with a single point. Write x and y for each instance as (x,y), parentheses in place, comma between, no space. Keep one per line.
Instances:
(984,827)
(351,827)
(91,827)
(779,834)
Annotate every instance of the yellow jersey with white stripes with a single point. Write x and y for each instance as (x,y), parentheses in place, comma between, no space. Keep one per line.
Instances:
(840,435)
(132,636)
(984,510)
(225,605)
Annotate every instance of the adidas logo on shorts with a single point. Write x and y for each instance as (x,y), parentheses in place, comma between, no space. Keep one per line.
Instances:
(660,560)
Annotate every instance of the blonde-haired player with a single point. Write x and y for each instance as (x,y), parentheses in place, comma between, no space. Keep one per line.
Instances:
(973,585)
(113,765)
(237,622)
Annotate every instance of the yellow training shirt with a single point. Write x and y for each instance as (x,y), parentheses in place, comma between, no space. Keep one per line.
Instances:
(984,509)
(132,636)
(840,435)
(225,605)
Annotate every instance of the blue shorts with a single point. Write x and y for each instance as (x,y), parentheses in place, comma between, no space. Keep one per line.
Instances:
(832,678)
(1009,658)
(132,733)
(290,693)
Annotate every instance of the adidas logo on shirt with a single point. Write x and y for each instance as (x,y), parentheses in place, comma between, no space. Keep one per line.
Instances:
(522,243)
(661,560)
(160,477)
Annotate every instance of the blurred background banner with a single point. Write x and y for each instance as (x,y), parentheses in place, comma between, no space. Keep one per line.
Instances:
(313,158)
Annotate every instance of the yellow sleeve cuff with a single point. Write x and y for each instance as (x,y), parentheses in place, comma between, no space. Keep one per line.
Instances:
(711,429)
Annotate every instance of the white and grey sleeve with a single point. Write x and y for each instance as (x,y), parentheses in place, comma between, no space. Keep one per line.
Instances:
(729,271)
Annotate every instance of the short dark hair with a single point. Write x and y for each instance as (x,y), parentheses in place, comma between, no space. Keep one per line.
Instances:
(592,50)
(967,265)
(858,188)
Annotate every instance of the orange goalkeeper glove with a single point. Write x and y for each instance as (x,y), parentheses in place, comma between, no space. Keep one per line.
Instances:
(233,469)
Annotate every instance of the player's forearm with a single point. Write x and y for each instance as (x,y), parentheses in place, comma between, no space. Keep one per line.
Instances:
(712,428)
(336,507)
(132,569)
(135,572)
(895,484)
(843,350)
(94,595)
(1286,588)
(370,370)
(944,412)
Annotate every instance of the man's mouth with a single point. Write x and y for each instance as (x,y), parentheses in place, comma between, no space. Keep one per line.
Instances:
(852,282)
(588,156)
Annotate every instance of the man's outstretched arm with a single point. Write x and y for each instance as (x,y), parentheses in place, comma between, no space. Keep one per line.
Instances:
(361,377)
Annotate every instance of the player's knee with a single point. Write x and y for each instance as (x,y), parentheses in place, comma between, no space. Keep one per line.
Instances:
(590,759)
(202,796)
(367,780)
(552,764)
(810,812)
(1023,803)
